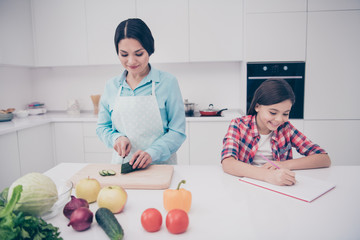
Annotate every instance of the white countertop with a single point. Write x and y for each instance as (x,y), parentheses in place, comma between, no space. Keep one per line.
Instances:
(17,124)
(225,208)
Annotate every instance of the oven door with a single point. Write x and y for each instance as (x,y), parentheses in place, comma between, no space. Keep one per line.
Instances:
(296,82)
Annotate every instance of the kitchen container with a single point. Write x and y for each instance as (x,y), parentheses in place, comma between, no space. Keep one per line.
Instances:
(211,111)
(4,117)
(95,99)
(21,113)
(36,111)
(73,107)
(36,108)
(189,108)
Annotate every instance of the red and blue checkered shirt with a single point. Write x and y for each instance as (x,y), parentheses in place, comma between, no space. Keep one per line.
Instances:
(241,141)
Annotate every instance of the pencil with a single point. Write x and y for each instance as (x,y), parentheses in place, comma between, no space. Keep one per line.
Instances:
(269,161)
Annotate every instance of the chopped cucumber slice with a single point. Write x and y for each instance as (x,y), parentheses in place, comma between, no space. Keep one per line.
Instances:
(111,172)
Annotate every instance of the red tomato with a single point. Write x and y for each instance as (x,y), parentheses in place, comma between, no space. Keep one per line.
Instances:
(177,221)
(151,220)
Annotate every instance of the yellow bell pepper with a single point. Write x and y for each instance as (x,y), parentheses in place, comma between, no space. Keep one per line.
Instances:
(177,198)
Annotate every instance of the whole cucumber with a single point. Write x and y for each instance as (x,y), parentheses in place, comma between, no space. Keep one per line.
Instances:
(107,221)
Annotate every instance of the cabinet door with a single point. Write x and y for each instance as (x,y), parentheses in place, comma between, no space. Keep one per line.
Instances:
(16,41)
(206,142)
(36,149)
(183,154)
(10,162)
(328,5)
(101,22)
(261,6)
(338,137)
(95,151)
(168,22)
(216,30)
(60,32)
(332,82)
(276,36)
(69,143)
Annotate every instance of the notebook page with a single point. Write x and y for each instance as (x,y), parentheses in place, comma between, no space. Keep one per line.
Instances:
(306,188)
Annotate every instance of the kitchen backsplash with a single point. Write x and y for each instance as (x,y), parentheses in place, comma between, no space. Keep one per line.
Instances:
(220,83)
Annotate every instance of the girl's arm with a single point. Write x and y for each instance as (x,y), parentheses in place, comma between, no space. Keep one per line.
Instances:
(238,168)
(312,161)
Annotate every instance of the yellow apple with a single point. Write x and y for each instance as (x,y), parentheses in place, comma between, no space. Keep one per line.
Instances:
(88,189)
(113,198)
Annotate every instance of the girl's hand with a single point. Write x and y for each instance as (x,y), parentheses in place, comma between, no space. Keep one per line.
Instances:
(272,167)
(140,159)
(122,146)
(281,177)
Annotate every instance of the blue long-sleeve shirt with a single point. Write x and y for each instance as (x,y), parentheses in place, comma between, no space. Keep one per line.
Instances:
(171,107)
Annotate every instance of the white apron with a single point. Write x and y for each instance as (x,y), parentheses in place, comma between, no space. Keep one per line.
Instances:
(138,117)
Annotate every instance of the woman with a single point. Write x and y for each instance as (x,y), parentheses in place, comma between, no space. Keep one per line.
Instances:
(265,135)
(141,113)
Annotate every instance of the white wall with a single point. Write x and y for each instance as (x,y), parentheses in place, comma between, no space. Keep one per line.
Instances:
(16,89)
(220,83)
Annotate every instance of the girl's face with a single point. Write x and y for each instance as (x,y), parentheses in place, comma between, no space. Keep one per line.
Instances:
(270,117)
(133,56)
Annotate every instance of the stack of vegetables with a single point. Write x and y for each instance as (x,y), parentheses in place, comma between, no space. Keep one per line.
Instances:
(15,224)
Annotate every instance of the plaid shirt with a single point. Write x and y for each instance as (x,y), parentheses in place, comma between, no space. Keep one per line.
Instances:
(241,141)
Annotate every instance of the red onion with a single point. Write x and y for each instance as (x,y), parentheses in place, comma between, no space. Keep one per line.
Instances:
(81,219)
(73,205)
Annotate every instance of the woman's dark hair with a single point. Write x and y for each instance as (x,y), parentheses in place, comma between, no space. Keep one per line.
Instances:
(270,92)
(135,28)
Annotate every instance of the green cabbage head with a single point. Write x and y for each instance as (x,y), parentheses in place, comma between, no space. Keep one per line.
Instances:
(39,193)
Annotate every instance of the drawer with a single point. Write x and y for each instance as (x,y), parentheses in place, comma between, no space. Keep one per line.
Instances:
(94,145)
(89,129)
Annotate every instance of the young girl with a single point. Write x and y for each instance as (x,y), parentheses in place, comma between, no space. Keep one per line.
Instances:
(266,133)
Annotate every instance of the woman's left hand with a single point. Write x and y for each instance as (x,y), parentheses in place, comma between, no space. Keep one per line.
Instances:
(140,159)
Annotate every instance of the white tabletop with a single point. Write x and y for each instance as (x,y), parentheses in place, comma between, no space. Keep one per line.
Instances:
(225,208)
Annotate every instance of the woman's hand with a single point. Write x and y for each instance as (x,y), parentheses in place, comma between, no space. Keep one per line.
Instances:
(140,159)
(281,177)
(122,146)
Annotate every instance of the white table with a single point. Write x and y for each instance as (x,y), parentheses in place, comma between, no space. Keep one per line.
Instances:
(225,208)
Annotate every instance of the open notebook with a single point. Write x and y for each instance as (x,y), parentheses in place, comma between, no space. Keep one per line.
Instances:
(306,188)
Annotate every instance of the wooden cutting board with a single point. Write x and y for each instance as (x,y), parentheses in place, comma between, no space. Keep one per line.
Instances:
(153,177)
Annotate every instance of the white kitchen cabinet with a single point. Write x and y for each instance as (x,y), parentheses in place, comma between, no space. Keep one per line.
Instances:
(261,6)
(331,81)
(338,137)
(36,149)
(9,160)
(206,141)
(101,22)
(216,30)
(60,32)
(169,24)
(328,5)
(275,36)
(183,153)
(16,41)
(95,150)
(69,142)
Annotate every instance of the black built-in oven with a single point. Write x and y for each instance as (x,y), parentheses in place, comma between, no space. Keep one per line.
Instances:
(292,72)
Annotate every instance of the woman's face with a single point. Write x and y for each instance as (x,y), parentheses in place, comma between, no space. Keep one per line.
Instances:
(133,56)
(270,117)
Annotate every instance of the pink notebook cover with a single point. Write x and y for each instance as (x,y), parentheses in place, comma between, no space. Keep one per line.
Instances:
(306,188)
